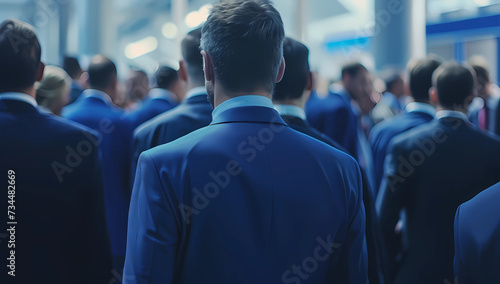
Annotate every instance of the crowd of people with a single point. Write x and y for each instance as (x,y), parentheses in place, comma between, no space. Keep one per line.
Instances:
(236,169)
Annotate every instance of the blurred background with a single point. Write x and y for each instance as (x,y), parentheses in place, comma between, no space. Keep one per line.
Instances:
(379,33)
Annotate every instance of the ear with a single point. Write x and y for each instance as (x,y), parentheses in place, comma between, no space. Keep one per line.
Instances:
(208,66)
(311,82)
(281,71)
(182,70)
(433,95)
(40,71)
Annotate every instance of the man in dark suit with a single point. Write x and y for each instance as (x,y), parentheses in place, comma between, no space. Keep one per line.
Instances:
(431,170)
(477,238)
(230,201)
(293,91)
(483,110)
(193,113)
(416,113)
(168,93)
(54,227)
(342,115)
(95,109)
(289,98)
(72,67)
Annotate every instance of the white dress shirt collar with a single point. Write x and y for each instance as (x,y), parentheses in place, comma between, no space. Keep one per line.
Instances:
(19,97)
(451,113)
(291,110)
(421,107)
(198,91)
(92,93)
(242,101)
(162,94)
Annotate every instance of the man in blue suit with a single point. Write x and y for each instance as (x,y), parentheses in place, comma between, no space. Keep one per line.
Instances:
(234,202)
(53,229)
(168,93)
(416,113)
(95,109)
(431,170)
(193,113)
(340,115)
(477,238)
(289,98)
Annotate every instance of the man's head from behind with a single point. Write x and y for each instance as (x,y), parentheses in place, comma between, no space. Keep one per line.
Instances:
(242,44)
(168,78)
(480,66)
(20,53)
(72,67)
(421,78)
(297,77)
(191,65)
(103,75)
(453,87)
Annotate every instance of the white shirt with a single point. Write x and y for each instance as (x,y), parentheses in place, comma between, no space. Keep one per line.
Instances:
(198,91)
(19,97)
(291,110)
(421,107)
(452,113)
(92,93)
(241,101)
(162,94)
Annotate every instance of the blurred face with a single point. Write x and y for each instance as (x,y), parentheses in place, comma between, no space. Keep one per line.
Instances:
(359,86)
(137,85)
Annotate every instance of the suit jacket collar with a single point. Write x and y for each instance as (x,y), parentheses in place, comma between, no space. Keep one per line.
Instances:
(197,99)
(18,102)
(293,120)
(257,114)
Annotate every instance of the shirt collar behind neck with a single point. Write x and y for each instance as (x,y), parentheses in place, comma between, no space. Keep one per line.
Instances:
(198,91)
(19,97)
(158,93)
(451,113)
(242,101)
(291,110)
(421,107)
(92,93)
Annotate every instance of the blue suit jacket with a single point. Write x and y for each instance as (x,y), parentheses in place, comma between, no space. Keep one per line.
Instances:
(150,108)
(116,131)
(382,134)
(477,238)
(194,113)
(58,202)
(218,206)
(430,171)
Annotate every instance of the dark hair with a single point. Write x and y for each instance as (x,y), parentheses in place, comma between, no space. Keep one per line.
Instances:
(352,69)
(165,77)
(245,42)
(421,78)
(102,72)
(391,79)
(19,56)
(297,70)
(72,67)
(454,83)
(190,47)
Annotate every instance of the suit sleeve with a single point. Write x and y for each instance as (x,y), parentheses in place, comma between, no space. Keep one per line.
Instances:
(388,205)
(354,258)
(98,243)
(153,228)
(457,261)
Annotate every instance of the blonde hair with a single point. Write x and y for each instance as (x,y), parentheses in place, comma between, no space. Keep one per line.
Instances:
(54,83)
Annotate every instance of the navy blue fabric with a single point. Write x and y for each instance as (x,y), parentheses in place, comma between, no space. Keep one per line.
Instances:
(60,235)
(477,238)
(149,109)
(115,145)
(233,202)
(431,170)
(382,134)
(333,116)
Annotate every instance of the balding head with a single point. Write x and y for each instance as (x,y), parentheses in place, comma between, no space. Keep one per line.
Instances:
(102,73)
